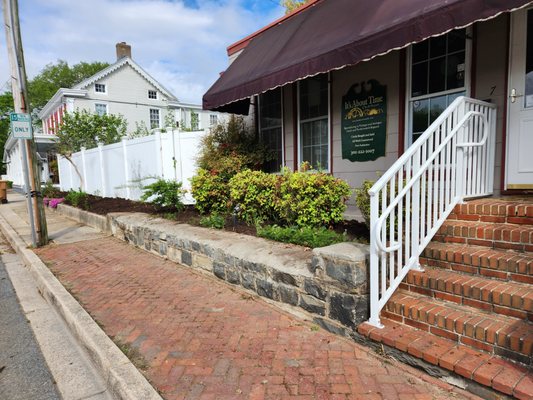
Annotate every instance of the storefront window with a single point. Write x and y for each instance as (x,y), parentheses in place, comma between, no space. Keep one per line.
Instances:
(314,121)
(438,67)
(270,127)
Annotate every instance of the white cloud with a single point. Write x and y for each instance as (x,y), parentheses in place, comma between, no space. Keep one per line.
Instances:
(184,47)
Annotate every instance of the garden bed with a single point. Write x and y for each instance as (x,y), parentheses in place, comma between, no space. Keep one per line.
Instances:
(355,231)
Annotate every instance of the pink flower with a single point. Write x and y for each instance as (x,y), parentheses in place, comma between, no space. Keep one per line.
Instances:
(54,202)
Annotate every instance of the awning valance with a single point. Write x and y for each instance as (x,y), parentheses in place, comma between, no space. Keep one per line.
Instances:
(333,34)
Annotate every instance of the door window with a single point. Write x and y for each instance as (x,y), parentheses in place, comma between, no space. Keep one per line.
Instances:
(529,61)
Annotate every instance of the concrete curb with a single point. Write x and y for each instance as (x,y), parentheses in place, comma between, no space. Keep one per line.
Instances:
(95,221)
(123,380)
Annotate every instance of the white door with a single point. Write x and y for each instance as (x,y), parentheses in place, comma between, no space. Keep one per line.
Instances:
(520,122)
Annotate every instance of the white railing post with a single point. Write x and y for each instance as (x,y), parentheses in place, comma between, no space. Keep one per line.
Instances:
(415,214)
(102,169)
(84,166)
(126,168)
(374,263)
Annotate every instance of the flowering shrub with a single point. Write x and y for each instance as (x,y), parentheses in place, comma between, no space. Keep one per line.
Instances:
(52,203)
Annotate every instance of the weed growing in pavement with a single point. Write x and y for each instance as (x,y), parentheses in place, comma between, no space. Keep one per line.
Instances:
(133,354)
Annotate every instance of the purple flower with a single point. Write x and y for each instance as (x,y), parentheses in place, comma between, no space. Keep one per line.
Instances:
(54,202)
(45,200)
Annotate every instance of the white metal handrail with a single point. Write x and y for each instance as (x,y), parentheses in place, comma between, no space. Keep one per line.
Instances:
(452,160)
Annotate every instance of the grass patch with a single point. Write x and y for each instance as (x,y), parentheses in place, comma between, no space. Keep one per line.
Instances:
(305,236)
(133,354)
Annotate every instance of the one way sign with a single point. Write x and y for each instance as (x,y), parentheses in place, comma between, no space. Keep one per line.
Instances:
(21,125)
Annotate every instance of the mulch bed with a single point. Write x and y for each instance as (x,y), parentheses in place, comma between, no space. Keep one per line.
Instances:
(189,215)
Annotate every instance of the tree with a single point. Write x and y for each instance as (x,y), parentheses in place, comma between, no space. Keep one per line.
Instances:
(83,129)
(55,76)
(291,5)
(6,107)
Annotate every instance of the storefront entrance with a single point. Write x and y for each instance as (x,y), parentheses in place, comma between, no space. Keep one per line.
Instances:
(519,168)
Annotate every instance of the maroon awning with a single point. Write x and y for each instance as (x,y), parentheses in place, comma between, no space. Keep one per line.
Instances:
(333,34)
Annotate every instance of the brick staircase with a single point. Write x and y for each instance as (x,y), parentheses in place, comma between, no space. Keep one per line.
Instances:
(471,310)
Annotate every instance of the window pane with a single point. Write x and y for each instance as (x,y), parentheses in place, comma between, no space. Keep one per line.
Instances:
(529,61)
(437,46)
(456,40)
(314,97)
(270,109)
(420,51)
(272,139)
(315,146)
(456,71)
(154,118)
(437,106)
(437,75)
(419,80)
(420,115)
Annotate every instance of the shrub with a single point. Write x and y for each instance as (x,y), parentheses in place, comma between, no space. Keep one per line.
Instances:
(77,199)
(255,194)
(211,192)
(304,236)
(311,199)
(213,221)
(164,194)
(362,200)
(10,184)
(48,190)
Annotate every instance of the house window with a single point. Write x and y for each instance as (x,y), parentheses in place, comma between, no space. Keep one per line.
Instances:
(100,109)
(99,88)
(313,99)
(438,76)
(195,123)
(213,119)
(152,94)
(270,127)
(154,118)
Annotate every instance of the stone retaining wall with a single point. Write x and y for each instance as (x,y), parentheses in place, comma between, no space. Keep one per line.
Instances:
(329,283)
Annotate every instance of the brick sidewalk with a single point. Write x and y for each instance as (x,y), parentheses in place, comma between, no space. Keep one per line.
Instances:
(200,338)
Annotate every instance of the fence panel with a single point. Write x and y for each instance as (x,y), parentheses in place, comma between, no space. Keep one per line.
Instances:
(121,169)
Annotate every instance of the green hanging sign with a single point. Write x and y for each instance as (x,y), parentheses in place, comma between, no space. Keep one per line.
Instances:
(364,121)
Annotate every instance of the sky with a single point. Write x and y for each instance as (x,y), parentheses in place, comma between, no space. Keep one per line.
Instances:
(181,43)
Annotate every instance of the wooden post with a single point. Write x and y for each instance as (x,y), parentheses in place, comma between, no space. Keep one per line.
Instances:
(20,97)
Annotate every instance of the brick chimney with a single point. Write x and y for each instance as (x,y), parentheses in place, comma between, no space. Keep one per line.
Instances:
(123,50)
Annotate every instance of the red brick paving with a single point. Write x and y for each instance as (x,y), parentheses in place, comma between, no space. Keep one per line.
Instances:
(202,339)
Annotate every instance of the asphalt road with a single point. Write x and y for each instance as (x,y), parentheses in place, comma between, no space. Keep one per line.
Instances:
(24,374)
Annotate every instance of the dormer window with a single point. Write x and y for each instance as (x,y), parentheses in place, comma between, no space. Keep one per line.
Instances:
(152,94)
(99,88)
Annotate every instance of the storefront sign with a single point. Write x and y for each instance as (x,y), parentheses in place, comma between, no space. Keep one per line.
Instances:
(364,121)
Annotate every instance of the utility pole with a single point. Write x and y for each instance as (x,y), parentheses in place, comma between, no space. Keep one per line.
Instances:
(20,97)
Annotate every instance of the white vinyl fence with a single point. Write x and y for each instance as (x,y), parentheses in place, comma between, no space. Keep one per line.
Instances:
(121,169)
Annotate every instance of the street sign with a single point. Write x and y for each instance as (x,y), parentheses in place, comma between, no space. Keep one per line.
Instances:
(21,125)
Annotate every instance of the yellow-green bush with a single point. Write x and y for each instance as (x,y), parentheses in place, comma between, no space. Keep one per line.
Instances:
(211,192)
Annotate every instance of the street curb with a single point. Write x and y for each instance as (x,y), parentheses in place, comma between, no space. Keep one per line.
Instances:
(122,379)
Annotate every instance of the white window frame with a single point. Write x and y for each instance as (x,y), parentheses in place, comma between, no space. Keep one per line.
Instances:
(282,125)
(100,84)
(408,137)
(300,149)
(101,104)
(211,117)
(158,118)
(152,91)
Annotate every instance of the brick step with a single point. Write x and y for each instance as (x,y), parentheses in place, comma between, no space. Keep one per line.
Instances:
(506,298)
(488,370)
(494,334)
(506,265)
(512,211)
(492,235)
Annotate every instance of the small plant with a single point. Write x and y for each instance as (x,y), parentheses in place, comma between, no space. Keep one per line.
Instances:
(48,190)
(362,200)
(10,184)
(211,192)
(78,199)
(304,236)
(164,194)
(216,221)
